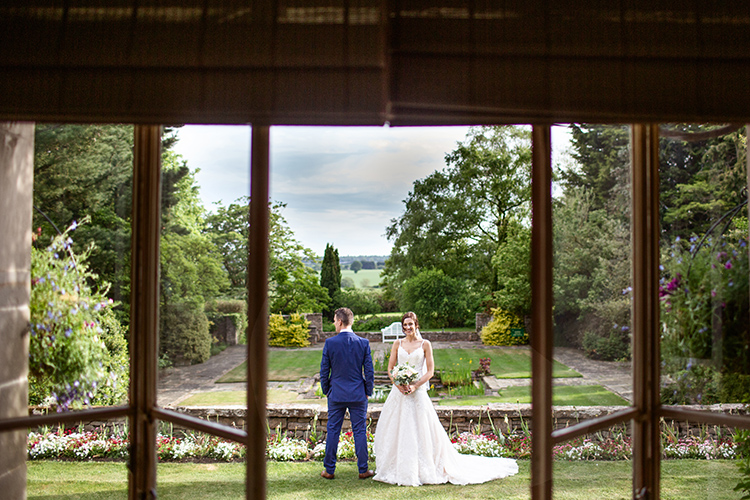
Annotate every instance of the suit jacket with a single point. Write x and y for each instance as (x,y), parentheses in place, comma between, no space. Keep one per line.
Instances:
(346,372)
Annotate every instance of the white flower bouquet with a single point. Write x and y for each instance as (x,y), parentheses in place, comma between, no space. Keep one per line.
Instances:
(404,374)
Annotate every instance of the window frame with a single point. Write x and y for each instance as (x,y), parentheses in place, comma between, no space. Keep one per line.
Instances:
(143,411)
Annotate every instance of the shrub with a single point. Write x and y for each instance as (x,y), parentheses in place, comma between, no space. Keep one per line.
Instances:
(697,384)
(614,347)
(734,388)
(77,349)
(227,306)
(374,323)
(358,300)
(292,333)
(704,294)
(498,331)
(184,332)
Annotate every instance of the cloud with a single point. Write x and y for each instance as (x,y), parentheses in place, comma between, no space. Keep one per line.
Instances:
(342,185)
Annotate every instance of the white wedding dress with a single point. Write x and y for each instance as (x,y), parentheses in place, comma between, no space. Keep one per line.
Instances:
(412,448)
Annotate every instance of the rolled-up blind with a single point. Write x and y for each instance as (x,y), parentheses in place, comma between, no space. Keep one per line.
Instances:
(166,61)
(372,61)
(570,60)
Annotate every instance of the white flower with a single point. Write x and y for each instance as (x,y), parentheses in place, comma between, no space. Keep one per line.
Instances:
(404,374)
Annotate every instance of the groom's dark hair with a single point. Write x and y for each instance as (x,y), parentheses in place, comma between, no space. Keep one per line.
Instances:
(345,315)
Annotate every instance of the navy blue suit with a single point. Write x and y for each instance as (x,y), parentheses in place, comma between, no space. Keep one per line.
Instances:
(346,378)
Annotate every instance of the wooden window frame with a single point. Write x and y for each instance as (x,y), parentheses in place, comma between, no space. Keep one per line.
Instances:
(143,411)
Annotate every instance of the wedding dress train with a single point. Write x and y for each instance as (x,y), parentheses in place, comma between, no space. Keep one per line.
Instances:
(412,448)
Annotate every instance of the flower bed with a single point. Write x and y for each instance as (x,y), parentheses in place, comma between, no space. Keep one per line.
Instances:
(73,445)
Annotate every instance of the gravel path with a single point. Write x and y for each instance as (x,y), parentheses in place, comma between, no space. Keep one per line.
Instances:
(179,383)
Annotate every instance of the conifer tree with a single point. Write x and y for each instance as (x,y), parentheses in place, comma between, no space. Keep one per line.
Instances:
(330,275)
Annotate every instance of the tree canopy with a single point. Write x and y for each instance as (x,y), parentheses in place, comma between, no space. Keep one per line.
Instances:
(455,220)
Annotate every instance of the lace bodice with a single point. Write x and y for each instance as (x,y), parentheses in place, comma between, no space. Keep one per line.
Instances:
(414,358)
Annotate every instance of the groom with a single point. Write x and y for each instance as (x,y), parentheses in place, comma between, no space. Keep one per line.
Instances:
(346,378)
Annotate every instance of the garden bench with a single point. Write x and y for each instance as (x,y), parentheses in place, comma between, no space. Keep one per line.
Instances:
(392,332)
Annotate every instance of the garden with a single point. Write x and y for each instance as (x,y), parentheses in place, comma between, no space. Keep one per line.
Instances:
(92,465)
(445,264)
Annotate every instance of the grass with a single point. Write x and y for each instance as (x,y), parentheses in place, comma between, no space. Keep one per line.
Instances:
(293,364)
(680,479)
(563,395)
(366,278)
(221,398)
(283,366)
(580,395)
(506,363)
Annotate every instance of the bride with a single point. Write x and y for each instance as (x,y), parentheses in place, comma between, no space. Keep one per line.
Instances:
(411,447)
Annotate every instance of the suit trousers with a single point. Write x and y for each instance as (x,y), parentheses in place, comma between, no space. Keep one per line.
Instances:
(358,417)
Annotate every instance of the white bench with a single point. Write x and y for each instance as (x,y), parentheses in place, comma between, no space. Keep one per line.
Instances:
(392,332)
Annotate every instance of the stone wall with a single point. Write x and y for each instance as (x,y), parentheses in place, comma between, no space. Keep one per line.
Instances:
(299,419)
(302,420)
(225,330)
(16,181)
(431,336)
(482,319)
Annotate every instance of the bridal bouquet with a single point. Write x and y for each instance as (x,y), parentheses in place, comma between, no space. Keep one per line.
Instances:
(404,374)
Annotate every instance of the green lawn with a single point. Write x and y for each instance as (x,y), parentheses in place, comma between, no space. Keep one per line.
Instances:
(293,364)
(506,363)
(583,395)
(681,480)
(562,395)
(283,366)
(219,398)
(364,278)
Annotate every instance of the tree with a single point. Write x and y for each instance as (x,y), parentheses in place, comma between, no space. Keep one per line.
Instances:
(330,276)
(356,266)
(438,300)
(456,219)
(191,265)
(100,159)
(512,264)
(293,285)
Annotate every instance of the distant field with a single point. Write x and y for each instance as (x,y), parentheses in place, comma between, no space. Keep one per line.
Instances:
(364,278)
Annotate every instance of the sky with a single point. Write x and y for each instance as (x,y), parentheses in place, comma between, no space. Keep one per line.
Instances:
(341,185)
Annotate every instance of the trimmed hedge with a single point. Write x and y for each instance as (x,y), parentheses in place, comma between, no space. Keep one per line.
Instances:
(184,332)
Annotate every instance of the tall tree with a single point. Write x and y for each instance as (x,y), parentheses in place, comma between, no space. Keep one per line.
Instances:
(456,219)
(191,264)
(330,275)
(100,160)
(293,285)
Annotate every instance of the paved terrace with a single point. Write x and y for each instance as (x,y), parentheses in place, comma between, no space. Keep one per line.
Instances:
(178,383)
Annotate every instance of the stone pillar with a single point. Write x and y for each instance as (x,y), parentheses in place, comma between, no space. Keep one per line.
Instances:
(16,181)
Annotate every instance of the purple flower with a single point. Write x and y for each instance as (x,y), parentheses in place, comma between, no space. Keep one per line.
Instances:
(68,332)
(674,284)
(713,293)
(728,265)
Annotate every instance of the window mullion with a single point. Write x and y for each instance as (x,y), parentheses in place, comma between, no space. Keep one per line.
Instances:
(257,313)
(541,325)
(646,349)
(144,310)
